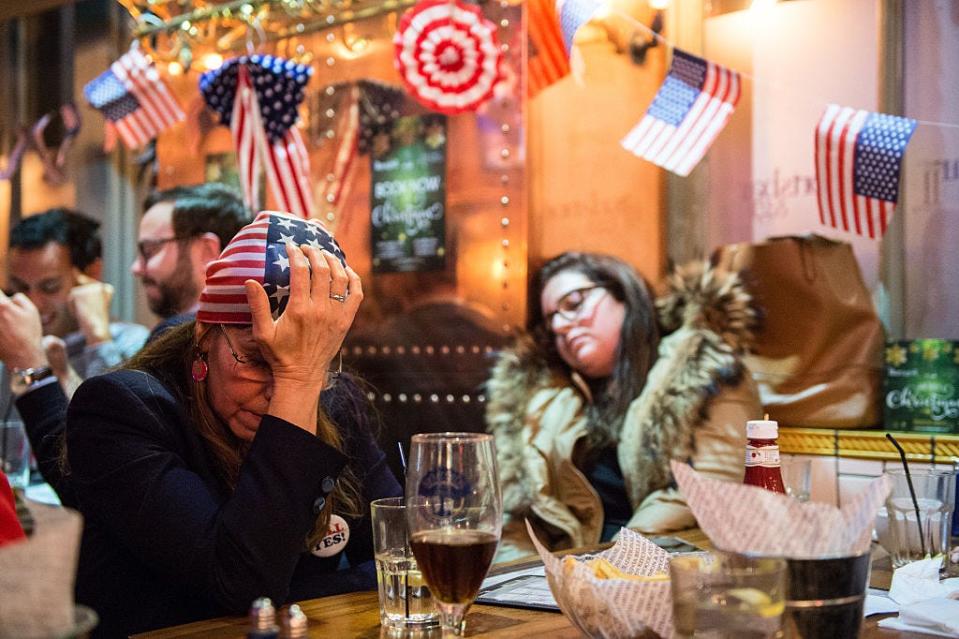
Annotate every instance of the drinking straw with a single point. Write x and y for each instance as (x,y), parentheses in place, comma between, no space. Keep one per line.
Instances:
(406,574)
(912,491)
(402,458)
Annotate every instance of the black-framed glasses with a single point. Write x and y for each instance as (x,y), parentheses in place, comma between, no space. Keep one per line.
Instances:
(149,248)
(570,306)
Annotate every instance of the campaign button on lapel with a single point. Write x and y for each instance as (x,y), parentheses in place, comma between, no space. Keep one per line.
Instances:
(335,539)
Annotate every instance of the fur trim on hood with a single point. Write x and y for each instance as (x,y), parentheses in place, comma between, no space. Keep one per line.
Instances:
(703,298)
(708,321)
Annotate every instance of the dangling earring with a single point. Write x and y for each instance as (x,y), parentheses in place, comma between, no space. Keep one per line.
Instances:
(199,369)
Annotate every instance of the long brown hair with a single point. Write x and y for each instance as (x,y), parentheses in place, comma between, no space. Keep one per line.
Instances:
(638,343)
(169,358)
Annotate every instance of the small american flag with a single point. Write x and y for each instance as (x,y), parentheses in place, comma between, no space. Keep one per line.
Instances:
(548,61)
(134,98)
(258,252)
(572,15)
(858,161)
(349,134)
(244,140)
(689,111)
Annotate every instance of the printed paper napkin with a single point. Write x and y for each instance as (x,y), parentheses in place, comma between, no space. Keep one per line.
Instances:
(747,519)
(613,607)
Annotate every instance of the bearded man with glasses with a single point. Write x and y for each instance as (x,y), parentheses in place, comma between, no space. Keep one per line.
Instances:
(182,230)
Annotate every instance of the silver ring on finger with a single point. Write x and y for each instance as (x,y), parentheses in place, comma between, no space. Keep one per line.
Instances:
(338,297)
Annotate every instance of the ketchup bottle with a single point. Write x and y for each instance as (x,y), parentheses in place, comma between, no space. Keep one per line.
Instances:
(762,455)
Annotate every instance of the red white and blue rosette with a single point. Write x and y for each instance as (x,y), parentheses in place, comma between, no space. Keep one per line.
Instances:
(447,55)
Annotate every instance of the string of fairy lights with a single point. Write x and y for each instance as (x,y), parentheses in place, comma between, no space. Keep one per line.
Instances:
(504,200)
(330,115)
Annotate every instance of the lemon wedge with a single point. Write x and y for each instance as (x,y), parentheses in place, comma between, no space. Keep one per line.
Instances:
(758,601)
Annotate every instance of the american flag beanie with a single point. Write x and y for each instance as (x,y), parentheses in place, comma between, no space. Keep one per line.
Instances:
(258,252)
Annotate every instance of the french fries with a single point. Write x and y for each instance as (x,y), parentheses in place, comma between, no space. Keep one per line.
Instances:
(602,569)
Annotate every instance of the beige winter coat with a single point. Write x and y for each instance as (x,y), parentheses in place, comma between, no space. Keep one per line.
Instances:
(693,407)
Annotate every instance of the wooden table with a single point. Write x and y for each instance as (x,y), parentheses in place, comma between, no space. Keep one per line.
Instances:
(357,615)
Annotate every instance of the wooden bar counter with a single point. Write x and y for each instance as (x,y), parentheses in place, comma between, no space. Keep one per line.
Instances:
(357,615)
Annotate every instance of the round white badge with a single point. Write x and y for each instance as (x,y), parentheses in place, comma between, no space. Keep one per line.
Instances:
(335,539)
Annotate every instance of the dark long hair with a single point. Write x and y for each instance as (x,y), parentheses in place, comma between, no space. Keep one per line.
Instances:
(638,342)
(169,358)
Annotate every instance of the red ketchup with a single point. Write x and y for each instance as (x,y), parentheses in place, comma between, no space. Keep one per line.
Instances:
(762,456)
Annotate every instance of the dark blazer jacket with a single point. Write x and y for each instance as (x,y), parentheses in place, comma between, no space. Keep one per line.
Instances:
(165,541)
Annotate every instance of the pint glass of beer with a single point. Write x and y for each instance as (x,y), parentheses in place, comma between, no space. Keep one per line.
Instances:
(455,516)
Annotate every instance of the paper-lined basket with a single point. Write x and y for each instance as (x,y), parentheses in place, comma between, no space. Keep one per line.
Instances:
(746,519)
(613,608)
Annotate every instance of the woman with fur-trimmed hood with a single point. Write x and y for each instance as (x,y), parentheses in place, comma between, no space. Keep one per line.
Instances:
(589,406)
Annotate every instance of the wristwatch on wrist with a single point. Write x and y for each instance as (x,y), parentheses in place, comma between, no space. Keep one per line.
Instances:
(21,379)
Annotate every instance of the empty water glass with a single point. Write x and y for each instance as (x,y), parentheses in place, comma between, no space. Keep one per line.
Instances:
(921,528)
(797,477)
(405,599)
(15,453)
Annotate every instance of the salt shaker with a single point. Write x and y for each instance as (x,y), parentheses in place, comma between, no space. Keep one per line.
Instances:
(263,620)
(295,624)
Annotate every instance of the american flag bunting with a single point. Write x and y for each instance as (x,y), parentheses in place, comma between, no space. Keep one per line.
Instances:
(689,111)
(343,161)
(258,96)
(134,98)
(858,161)
(244,139)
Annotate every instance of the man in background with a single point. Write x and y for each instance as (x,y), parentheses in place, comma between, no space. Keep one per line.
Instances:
(181,231)
(54,264)
(55,327)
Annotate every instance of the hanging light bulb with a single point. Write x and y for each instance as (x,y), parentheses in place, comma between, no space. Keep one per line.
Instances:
(211,61)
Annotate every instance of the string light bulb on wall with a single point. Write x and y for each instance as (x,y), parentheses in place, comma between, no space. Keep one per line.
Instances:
(504,200)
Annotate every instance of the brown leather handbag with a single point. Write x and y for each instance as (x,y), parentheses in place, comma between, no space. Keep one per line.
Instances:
(818,357)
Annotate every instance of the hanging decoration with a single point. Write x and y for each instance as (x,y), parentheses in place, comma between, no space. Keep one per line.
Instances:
(547,59)
(689,111)
(858,162)
(447,54)
(572,15)
(176,28)
(380,105)
(344,158)
(16,155)
(258,97)
(53,160)
(134,99)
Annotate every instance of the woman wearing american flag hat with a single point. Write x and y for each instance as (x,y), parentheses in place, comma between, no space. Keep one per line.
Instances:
(225,463)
